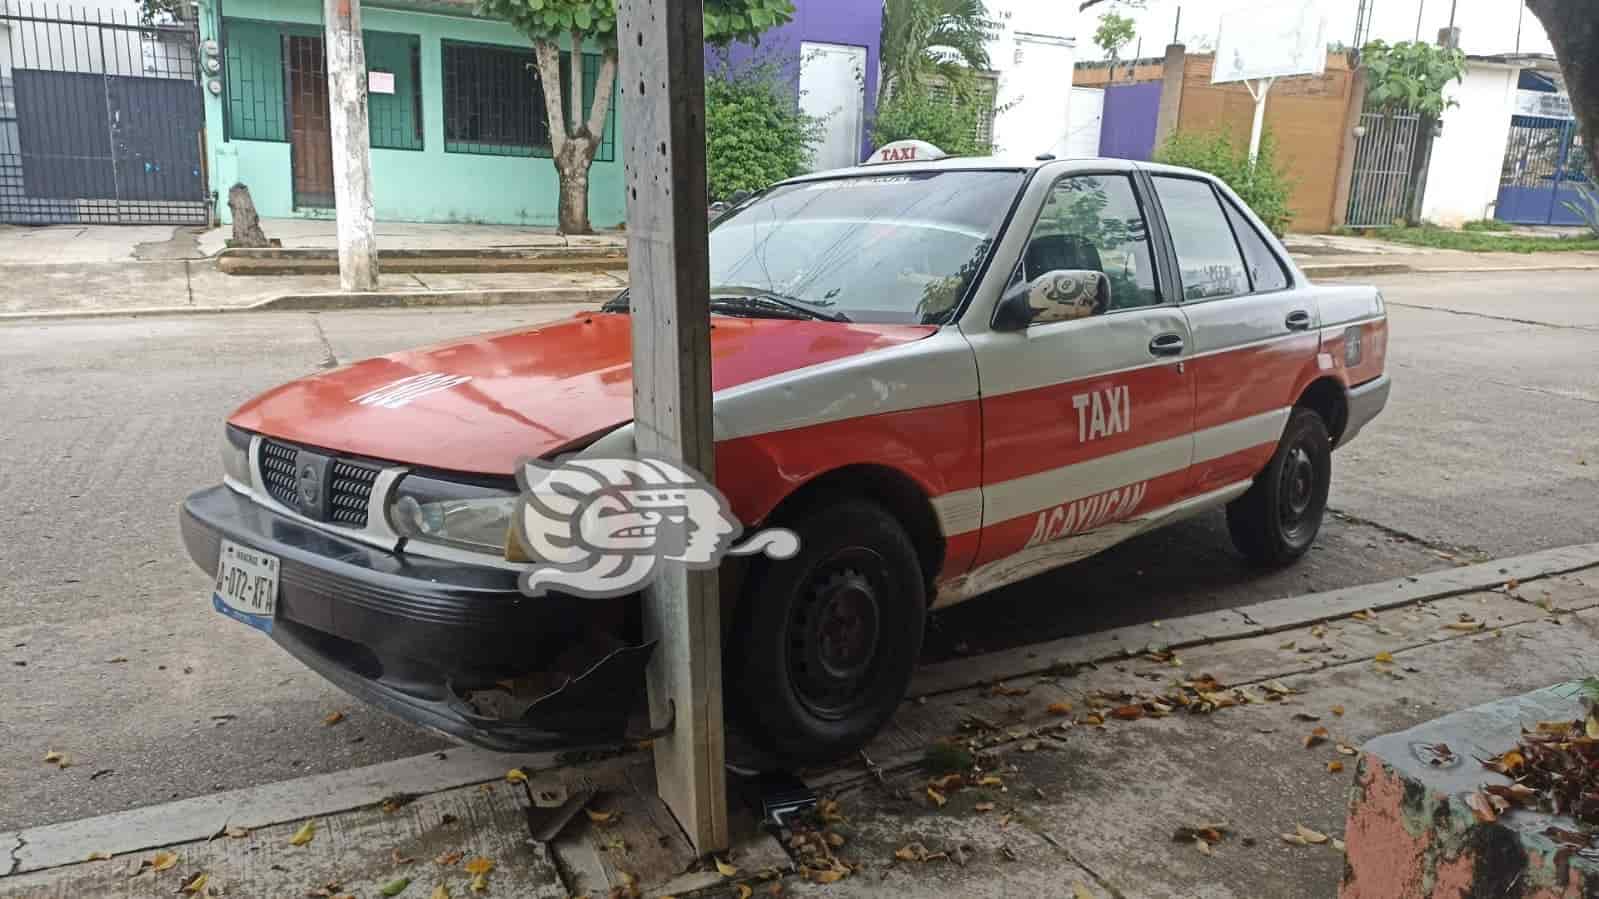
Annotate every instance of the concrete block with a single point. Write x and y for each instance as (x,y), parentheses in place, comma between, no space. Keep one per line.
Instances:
(1410,834)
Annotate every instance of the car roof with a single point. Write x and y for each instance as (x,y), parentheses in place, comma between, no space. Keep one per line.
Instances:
(993,163)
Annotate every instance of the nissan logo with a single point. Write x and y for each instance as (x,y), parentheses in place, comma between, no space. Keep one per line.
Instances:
(310,486)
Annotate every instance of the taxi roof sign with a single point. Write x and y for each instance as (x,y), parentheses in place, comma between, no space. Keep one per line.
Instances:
(904,151)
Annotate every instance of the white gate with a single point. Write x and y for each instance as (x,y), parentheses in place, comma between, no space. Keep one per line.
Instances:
(833,88)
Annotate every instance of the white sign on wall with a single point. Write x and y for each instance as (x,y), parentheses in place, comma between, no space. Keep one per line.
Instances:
(1543,103)
(380,82)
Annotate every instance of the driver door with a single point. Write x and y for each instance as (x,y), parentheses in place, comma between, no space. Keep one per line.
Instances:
(1087,422)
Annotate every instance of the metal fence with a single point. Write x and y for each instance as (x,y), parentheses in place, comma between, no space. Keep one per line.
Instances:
(101,119)
(1380,185)
(1543,170)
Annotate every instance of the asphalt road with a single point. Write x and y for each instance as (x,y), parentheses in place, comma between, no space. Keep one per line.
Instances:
(109,651)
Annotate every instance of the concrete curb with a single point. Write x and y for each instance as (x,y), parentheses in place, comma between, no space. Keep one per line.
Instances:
(199,818)
(318,261)
(1246,621)
(312,302)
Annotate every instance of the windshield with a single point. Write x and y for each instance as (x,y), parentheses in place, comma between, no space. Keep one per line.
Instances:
(887,248)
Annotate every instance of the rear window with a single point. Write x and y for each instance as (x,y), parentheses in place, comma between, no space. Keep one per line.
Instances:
(1266,271)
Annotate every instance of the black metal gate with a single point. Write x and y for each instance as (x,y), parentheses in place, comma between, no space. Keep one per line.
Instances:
(101,119)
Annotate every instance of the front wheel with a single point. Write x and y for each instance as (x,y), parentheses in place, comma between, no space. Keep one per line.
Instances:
(824,644)
(1278,519)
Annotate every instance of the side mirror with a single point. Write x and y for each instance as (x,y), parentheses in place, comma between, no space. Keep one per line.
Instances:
(1060,295)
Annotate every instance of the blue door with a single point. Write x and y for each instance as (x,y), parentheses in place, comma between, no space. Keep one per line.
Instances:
(1542,171)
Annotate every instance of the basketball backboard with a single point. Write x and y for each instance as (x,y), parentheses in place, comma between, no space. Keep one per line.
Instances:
(1267,40)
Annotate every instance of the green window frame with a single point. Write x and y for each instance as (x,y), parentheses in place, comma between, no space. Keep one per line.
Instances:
(256,94)
(494,101)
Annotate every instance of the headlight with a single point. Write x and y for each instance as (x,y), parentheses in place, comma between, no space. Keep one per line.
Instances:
(236,456)
(452,513)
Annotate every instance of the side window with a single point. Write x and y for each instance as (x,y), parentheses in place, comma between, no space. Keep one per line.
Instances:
(1093,222)
(1207,256)
(1265,269)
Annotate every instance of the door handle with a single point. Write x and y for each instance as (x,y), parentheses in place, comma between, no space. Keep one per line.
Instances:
(1298,320)
(1166,345)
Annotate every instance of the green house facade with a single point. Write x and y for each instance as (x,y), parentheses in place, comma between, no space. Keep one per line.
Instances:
(456,113)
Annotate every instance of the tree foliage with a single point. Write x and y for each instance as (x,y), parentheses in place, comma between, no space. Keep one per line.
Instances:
(1263,185)
(726,21)
(1410,76)
(1113,33)
(755,132)
(922,37)
(916,113)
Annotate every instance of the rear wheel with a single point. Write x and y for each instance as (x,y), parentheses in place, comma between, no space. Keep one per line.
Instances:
(824,643)
(1278,519)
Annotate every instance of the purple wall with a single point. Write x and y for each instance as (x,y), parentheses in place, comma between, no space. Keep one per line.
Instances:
(858,23)
(1127,126)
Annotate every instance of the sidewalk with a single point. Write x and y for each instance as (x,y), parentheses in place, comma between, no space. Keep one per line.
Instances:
(1080,767)
(1341,256)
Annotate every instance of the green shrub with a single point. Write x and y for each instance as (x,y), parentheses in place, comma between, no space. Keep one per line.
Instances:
(1264,185)
(755,133)
(913,113)
(1486,225)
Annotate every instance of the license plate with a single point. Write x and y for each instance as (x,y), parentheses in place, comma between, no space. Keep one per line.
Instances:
(247,585)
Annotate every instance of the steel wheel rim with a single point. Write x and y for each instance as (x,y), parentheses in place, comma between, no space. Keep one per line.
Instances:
(835,632)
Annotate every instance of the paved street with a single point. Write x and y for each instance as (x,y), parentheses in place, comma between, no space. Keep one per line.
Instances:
(110,654)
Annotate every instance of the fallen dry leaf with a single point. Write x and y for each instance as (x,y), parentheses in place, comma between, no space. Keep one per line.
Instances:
(1060,708)
(830,875)
(97,856)
(911,852)
(1364,615)
(515,776)
(479,865)
(1385,658)
(1127,712)
(947,783)
(835,840)
(1294,839)
(161,861)
(1203,847)
(1316,737)
(1002,690)
(937,797)
(1481,807)
(304,835)
(332,718)
(51,757)
(1080,892)
(1334,766)
(479,883)
(236,832)
(1338,710)
(744,892)
(990,780)
(440,892)
(448,858)
(725,869)
(399,859)
(195,883)
(1338,845)
(1029,746)
(1465,625)
(1346,749)
(1306,716)
(1277,687)
(1308,835)
(984,807)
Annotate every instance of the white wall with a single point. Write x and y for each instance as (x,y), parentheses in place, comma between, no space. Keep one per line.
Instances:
(1463,177)
(1032,51)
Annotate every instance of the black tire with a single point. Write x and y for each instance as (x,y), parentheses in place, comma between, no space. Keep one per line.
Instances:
(824,644)
(1278,519)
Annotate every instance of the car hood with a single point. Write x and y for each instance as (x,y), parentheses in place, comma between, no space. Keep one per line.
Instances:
(482,404)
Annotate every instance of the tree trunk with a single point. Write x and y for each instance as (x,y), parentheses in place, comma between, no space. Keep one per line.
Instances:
(1573,30)
(246,224)
(572,169)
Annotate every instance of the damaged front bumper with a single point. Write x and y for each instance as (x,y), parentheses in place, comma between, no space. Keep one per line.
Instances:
(452,647)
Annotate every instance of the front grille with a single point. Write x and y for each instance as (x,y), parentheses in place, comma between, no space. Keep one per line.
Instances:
(277,472)
(349,484)
(351,491)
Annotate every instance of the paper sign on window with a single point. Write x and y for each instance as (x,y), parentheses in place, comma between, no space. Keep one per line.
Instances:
(380,82)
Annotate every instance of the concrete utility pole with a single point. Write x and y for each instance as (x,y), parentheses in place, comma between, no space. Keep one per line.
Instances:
(352,145)
(663,103)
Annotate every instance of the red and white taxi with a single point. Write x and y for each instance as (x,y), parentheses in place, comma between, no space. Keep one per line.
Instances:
(944,375)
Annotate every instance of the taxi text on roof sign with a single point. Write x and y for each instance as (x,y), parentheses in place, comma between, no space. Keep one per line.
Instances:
(905,151)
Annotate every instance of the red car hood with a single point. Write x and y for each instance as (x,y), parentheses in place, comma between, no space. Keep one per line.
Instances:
(481,404)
